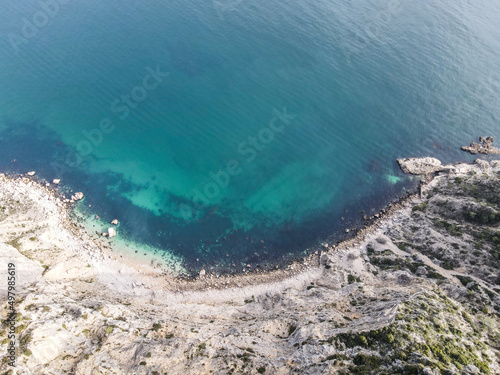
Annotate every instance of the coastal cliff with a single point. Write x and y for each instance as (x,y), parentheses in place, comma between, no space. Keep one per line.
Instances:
(416,293)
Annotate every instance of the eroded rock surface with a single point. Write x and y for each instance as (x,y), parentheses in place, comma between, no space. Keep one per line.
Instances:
(485,146)
(420,166)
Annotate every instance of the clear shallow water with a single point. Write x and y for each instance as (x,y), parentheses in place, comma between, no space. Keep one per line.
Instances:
(297,110)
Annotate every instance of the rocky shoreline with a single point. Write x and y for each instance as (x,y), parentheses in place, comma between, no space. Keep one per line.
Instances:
(67,199)
(86,308)
(485,146)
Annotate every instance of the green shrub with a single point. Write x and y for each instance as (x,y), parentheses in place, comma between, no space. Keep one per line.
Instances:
(419,207)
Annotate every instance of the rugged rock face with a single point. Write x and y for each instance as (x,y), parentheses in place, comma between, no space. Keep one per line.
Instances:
(419,295)
(485,146)
(420,166)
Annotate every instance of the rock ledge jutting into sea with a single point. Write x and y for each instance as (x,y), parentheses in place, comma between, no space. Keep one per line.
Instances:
(420,166)
(485,146)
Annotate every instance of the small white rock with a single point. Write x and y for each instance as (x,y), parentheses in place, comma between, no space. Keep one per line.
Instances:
(111,232)
(56,181)
(32,173)
(115,222)
(78,196)
(202,273)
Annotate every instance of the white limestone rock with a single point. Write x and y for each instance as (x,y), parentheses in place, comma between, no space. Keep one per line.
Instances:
(77,196)
(484,166)
(420,166)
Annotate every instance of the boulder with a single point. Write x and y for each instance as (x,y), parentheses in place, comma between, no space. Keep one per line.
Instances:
(111,232)
(403,277)
(56,181)
(421,271)
(470,285)
(420,166)
(77,196)
(32,173)
(115,222)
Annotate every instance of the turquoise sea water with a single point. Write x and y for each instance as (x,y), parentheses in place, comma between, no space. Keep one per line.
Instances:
(242,131)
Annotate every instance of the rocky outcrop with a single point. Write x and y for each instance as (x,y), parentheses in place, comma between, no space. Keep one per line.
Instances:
(420,166)
(485,146)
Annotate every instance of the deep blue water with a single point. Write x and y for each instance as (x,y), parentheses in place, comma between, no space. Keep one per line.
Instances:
(246,128)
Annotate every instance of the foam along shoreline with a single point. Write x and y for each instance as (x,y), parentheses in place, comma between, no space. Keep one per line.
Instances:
(37,217)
